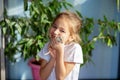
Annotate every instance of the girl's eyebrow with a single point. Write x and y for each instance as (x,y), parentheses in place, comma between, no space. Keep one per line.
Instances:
(54,24)
(60,26)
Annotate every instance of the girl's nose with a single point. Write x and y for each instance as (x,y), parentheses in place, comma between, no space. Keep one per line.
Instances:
(56,31)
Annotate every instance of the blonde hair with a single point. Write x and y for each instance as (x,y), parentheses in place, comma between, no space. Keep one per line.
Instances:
(75,24)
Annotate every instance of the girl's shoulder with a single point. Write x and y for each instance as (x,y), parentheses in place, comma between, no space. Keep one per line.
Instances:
(73,53)
(73,45)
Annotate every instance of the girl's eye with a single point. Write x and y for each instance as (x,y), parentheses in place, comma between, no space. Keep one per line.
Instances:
(62,31)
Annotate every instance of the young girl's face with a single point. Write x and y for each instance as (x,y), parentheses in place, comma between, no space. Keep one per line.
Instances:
(60,28)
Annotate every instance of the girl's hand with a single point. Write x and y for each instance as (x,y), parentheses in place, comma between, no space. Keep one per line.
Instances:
(52,52)
(57,44)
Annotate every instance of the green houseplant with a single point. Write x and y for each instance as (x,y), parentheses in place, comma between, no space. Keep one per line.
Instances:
(32,30)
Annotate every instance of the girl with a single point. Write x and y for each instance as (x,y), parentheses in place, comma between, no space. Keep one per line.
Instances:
(65,53)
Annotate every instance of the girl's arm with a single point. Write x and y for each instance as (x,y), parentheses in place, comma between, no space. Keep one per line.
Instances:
(62,68)
(46,68)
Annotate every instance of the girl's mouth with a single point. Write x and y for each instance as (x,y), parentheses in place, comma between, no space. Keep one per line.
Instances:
(59,39)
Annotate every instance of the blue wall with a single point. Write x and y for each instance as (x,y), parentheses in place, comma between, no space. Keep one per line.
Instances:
(105,58)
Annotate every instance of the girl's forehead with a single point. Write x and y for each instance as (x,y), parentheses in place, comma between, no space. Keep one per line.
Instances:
(61,22)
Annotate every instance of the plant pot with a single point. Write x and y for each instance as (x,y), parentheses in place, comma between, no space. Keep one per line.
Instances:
(35,69)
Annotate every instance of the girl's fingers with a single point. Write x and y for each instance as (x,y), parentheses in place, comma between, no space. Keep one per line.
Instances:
(53,54)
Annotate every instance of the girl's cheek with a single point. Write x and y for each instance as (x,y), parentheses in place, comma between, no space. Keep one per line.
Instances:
(50,32)
(64,40)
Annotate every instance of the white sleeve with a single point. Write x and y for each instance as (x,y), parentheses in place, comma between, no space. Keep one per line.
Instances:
(74,54)
(44,50)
